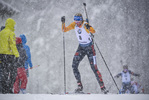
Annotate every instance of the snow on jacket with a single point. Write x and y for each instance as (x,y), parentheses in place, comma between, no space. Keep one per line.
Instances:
(8,39)
(27,49)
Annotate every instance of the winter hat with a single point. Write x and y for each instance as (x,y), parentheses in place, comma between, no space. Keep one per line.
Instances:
(125,67)
(18,40)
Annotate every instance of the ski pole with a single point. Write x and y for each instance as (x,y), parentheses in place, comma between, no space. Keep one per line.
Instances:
(98,47)
(87,20)
(86,12)
(121,62)
(64,61)
(107,66)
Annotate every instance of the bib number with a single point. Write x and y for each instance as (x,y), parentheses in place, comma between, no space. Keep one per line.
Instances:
(80,37)
(125,77)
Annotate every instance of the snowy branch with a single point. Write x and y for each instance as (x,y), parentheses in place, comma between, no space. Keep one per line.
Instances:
(7,10)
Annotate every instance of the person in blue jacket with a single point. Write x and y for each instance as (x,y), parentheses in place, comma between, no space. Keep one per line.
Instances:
(26,47)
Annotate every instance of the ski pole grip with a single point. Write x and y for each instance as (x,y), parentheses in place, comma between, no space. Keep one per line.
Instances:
(84,4)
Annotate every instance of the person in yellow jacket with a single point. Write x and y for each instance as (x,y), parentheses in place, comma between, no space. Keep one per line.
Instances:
(2,27)
(8,55)
(86,47)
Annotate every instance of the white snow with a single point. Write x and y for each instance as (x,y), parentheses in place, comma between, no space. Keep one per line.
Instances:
(73,97)
(39,24)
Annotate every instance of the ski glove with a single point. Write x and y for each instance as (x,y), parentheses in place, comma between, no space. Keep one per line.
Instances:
(63,19)
(116,76)
(87,26)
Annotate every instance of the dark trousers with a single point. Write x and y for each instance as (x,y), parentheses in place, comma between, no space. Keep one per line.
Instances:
(79,55)
(126,86)
(9,72)
(0,77)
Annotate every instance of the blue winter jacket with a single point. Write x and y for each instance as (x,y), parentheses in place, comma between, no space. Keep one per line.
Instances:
(26,47)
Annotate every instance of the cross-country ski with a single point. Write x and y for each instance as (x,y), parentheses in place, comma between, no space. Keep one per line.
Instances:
(92,49)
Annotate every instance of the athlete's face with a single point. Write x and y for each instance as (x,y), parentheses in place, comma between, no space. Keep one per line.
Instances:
(125,70)
(78,23)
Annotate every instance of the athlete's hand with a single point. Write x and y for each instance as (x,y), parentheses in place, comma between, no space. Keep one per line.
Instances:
(87,26)
(116,76)
(63,19)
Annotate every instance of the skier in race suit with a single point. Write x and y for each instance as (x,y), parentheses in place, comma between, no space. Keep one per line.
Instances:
(83,32)
(126,78)
(136,87)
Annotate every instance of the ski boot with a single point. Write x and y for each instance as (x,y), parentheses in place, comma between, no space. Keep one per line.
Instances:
(79,89)
(104,90)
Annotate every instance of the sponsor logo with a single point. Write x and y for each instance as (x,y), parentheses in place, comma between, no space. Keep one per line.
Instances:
(79,31)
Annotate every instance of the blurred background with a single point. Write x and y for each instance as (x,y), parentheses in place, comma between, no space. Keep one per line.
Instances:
(122,35)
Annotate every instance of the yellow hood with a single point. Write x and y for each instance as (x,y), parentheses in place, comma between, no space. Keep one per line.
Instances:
(10,23)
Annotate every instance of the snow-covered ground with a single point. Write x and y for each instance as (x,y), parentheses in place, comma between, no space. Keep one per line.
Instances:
(74,97)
